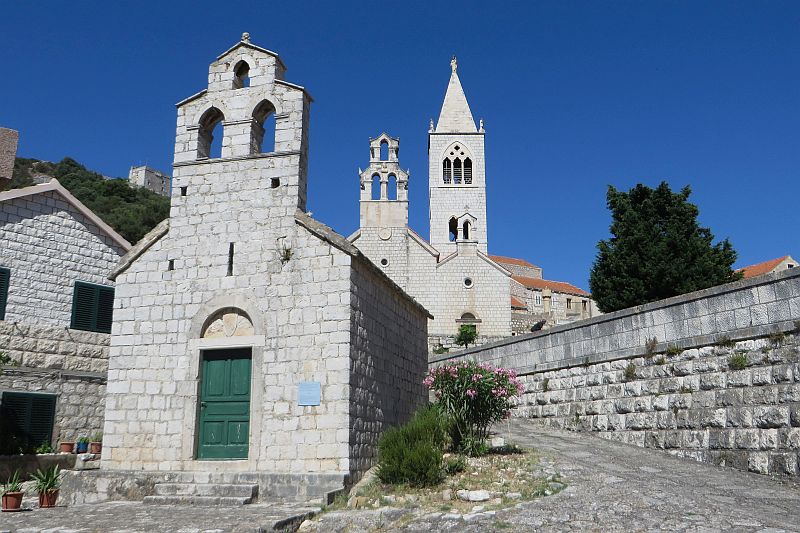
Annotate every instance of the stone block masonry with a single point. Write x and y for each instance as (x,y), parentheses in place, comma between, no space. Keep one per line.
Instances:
(720,383)
(69,364)
(8,152)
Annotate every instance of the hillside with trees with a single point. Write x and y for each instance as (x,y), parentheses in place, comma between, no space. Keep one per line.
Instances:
(131,211)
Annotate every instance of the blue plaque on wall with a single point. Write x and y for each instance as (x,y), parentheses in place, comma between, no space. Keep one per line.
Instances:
(309,393)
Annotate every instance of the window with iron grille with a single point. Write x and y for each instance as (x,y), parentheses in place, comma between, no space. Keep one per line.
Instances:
(92,307)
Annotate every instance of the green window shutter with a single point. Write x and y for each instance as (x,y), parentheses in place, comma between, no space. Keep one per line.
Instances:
(29,416)
(105,309)
(5,277)
(92,307)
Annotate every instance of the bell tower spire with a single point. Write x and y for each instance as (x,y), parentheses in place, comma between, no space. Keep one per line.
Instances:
(456,173)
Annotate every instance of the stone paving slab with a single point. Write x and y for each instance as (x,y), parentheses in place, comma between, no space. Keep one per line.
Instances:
(611,487)
(135,517)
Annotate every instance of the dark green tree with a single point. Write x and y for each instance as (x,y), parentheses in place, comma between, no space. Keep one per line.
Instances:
(657,250)
(467,333)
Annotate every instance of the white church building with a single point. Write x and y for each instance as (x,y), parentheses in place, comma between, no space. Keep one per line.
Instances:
(452,273)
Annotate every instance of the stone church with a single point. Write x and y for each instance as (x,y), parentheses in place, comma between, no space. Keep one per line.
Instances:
(452,274)
(249,340)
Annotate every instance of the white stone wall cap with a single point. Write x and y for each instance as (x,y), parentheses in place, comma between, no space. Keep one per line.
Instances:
(195,96)
(422,242)
(354,236)
(295,86)
(54,186)
(153,236)
(243,44)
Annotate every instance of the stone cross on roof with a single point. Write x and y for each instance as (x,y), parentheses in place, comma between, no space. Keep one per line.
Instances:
(454,64)
(246,37)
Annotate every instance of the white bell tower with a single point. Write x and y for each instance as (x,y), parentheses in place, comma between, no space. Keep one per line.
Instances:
(457,174)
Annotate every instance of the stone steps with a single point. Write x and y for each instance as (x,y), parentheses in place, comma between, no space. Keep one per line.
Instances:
(207,494)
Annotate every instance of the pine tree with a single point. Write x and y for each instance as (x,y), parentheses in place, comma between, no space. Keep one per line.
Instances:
(657,250)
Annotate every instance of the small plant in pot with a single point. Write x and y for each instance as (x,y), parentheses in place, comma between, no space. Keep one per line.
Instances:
(12,494)
(47,483)
(96,446)
(82,445)
(66,446)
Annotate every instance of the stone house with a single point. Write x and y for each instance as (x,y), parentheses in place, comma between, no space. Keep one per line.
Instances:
(55,315)
(767,267)
(452,274)
(151,179)
(251,342)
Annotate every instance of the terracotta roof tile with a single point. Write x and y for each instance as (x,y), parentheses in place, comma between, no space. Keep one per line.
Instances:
(761,268)
(519,304)
(511,261)
(555,286)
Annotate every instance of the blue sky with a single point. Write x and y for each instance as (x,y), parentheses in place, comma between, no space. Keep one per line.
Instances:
(575,96)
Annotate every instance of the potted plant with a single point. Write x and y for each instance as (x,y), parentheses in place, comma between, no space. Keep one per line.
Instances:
(66,446)
(47,484)
(96,446)
(82,445)
(12,494)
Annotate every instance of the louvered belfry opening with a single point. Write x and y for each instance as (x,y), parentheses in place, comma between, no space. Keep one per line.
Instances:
(92,307)
(5,278)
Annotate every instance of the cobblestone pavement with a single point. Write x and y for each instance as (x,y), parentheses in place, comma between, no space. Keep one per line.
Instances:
(135,517)
(611,487)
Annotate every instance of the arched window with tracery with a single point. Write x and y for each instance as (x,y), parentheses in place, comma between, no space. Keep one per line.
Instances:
(468,171)
(457,166)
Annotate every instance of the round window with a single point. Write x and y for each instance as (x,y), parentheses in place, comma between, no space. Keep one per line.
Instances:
(384,262)
(468,282)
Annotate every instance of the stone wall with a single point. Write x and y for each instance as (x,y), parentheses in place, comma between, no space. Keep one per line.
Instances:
(68,363)
(668,374)
(8,152)
(49,245)
(388,361)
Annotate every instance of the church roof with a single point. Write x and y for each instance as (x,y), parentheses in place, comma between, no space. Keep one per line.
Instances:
(555,286)
(455,116)
(511,261)
(516,303)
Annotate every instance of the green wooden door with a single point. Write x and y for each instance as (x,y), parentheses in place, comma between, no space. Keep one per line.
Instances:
(224,404)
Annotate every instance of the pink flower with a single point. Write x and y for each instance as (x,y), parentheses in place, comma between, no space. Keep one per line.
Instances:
(428,381)
(471,393)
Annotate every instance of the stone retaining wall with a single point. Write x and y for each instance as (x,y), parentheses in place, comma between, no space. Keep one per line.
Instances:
(712,375)
(695,403)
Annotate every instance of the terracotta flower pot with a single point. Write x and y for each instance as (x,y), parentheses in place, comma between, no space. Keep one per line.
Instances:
(12,501)
(66,447)
(95,447)
(48,498)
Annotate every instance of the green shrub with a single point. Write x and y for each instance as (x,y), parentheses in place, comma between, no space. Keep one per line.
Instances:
(467,333)
(546,384)
(473,396)
(454,465)
(673,350)
(439,349)
(737,361)
(413,453)
(650,347)
(725,342)
(630,372)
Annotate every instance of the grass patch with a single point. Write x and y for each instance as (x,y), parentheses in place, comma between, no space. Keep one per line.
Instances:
(725,342)
(546,384)
(673,350)
(661,360)
(650,347)
(737,361)
(777,338)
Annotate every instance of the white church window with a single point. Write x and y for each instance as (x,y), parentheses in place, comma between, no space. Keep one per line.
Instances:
(537,300)
(457,166)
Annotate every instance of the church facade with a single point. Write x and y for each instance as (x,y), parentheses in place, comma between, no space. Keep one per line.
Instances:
(452,273)
(249,339)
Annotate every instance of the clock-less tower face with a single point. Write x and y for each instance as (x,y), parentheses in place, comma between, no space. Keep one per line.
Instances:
(456,170)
